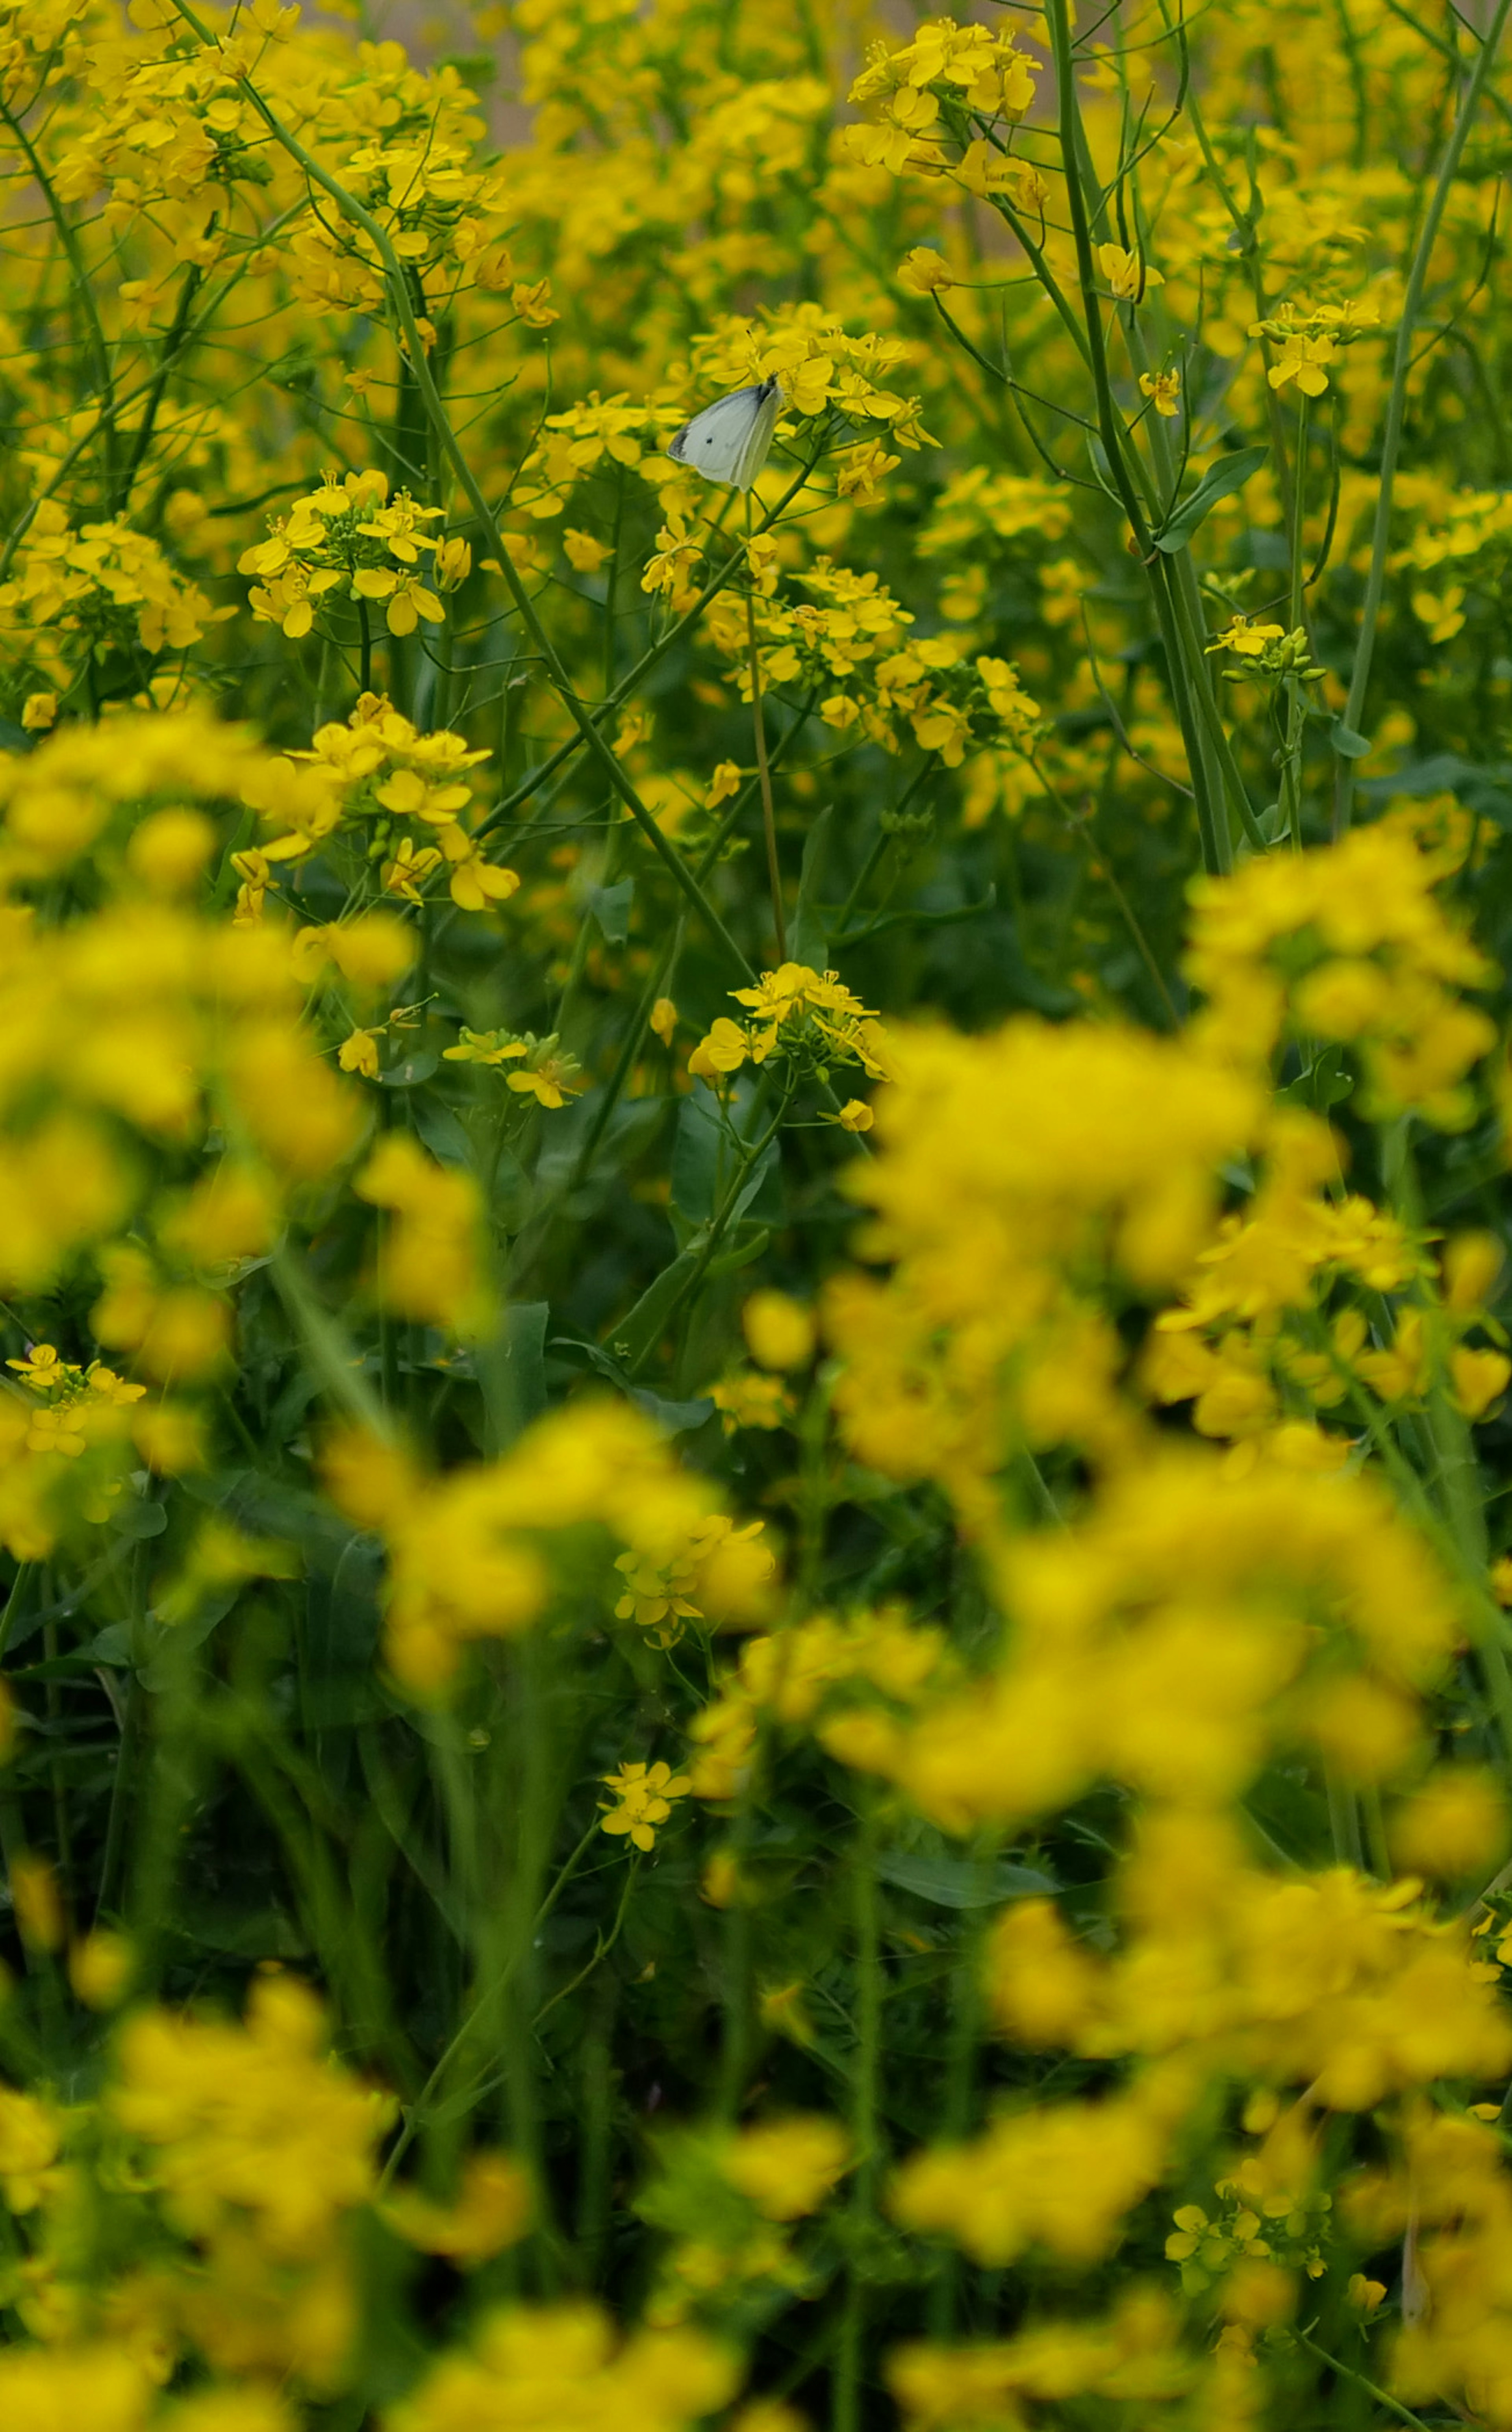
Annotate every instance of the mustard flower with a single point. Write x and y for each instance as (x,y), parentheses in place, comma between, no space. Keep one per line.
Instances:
(1164,389)
(1128,274)
(643,1800)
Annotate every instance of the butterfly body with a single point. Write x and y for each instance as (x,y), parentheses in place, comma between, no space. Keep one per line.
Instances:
(729,440)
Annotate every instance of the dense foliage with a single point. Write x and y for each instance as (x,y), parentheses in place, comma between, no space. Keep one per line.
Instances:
(752,1489)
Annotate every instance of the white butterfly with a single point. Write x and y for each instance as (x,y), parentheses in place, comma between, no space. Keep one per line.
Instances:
(729,441)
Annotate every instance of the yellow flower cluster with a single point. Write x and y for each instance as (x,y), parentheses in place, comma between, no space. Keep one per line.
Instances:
(77,596)
(404,799)
(562,2365)
(469,1552)
(930,84)
(348,541)
(719,1574)
(1116,1411)
(1100,1152)
(1350,945)
(808,1019)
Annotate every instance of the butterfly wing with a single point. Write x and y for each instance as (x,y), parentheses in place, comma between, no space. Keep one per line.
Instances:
(729,440)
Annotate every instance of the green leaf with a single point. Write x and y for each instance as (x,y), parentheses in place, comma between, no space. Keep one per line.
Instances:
(675,1418)
(742,1256)
(1219,483)
(640,1329)
(1325,1082)
(134,1516)
(610,906)
(962,1882)
(706,1154)
(414,1070)
(442,1133)
(511,1366)
(1348,745)
(807,942)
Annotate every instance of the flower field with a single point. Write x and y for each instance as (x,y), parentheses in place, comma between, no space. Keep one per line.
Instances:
(755,1457)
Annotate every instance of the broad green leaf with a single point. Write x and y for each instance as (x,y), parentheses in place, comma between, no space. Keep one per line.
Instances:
(807,939)
(1220,481)
(962,1882)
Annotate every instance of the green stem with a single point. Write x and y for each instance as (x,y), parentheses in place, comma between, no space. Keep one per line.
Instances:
(174,344)
(845,2412)
(1397,406)
(173,1777)
(769,816)
(328,1345)
(718,1224)
(1382,2397)
(628,684)
(419,369)
(418,2111)
(83,284)
(1071,146)
(10,1611)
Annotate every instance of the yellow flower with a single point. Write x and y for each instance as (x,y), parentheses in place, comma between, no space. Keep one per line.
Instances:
(30,2141)
(1164,390)
(1249,640)
(583,552)
(1128,274)
(407,872)
(561,2365)
(923,272)
(100,1967)
(34,1896)
(788,2166)
(253,2122)
(411,796)
(550,1075)
(644,1800)
(722,1051)
(1304,360)
(453,562)
(409,602)
(43,1368)
(475,883)
(1480,1378)
(664,1019)
(429,1265)
(779,1331)
(484,1047)
(104,2386)
(492,2211)
(358,1052)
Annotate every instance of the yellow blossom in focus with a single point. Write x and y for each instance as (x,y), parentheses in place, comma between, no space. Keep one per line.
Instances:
(1164,389)
(643,1800)
(1128,274)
